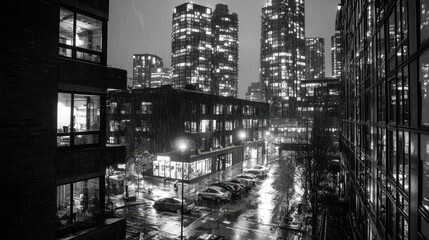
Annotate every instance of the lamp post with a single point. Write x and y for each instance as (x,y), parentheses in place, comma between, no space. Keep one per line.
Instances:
(182,145)
(242,136)
(267,135)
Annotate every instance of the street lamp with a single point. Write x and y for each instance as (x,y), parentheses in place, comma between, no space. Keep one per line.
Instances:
(182,146)
(242,136)
(267,152)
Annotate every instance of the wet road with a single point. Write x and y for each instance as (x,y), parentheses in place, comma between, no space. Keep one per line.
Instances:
(253,216)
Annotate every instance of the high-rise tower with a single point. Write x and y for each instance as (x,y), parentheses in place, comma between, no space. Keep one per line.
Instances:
(142,67)
(192,48)
(315,57)
(337,54)
(283,52)
(225,44)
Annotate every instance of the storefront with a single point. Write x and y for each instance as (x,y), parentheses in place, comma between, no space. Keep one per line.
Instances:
(170,166)
(164,167)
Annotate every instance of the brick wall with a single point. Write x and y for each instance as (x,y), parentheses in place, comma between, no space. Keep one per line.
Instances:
(28,99)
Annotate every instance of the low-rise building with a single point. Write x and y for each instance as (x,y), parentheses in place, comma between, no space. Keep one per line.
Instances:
(211,124)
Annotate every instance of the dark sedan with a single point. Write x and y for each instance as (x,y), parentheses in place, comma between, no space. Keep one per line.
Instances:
(174,204)
(242,183)
(235,192)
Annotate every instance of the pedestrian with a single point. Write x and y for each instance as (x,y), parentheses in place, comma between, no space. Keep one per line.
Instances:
(176,185)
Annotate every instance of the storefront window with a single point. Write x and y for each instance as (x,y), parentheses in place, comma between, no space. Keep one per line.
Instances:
(424,155)
(163,167)
(83,113)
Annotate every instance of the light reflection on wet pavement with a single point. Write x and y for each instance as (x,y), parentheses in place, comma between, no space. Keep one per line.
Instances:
(255,216)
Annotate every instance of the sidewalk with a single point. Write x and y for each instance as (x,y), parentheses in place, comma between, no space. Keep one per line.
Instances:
(159,188)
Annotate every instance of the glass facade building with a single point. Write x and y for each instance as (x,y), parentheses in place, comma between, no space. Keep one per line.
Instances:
(225,59)
(283,51)
(336,55)
(315,57)
(255,92)
(160,77)
(385,122)
(192,47)
(143,64)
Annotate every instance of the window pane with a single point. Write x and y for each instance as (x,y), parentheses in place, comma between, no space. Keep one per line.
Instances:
(88,33)
(86,113)
(86,139)
(424,85)
(63,141)
(63,204)
(86,203)
(424,154)
(66,27)
(424,20)
(65,52)
(88,56)
(63,112)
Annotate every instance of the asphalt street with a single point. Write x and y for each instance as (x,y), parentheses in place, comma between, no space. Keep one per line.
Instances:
(253,216)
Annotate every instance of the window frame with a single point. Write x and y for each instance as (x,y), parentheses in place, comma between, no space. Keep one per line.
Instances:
(72,133)
(74,49)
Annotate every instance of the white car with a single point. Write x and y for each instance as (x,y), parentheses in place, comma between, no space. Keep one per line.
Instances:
(215,193)
(258,168)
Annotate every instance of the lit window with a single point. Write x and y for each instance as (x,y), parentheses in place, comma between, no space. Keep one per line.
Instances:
(78,119)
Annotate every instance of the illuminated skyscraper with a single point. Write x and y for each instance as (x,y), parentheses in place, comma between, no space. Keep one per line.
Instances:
(255,92)
(337,54)
(142,67)
(283,52)
(225,59)
(315,57)
(192,48)
(160,77)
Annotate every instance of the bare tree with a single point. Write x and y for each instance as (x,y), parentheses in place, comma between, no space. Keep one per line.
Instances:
(312,150)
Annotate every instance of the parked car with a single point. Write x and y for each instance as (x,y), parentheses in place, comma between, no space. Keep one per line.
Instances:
(215,193)
(174,204)
(237,186)
(256,174)
(244,184)
(235,192)
(250,178)
(211,237)
(259,168)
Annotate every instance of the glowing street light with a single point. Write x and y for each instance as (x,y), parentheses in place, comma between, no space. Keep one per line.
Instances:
(182,145)
(267,135)
(242,134)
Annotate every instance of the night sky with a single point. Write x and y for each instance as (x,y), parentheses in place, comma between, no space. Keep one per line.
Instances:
(144,26)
